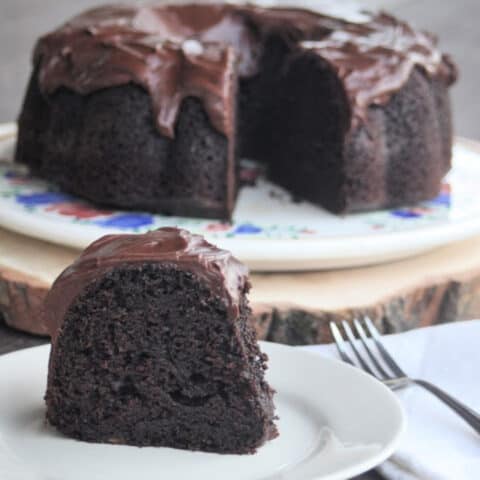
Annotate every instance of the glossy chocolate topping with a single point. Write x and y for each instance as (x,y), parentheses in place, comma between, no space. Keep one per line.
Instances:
(375,59)
(224,275)
(196,50)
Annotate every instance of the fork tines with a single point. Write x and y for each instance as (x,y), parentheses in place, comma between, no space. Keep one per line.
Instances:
(377,361)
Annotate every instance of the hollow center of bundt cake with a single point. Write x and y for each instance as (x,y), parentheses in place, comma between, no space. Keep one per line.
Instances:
(147,355)
(294,116)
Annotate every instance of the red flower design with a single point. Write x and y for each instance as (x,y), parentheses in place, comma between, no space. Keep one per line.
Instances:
(422,210)
(446,188)
(76,210)
(218,227)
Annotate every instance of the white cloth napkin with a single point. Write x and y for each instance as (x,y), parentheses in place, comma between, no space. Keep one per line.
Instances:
(437,445)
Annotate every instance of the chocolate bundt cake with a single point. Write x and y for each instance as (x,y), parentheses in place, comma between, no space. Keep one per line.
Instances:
(151,107)
(151,345)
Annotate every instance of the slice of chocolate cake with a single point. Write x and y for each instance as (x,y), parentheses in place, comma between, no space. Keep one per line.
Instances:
(151,345)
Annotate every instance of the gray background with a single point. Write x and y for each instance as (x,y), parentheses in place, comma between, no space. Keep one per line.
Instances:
(456,22)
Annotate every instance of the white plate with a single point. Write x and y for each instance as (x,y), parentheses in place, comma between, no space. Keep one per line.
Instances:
(270,231)
(335,422)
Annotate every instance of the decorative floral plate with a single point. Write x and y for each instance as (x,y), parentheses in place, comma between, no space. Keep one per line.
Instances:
(270,231)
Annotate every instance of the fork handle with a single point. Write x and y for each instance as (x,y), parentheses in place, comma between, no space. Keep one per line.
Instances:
(469,415)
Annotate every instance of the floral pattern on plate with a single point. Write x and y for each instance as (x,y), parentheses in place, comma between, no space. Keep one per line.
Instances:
(264,211)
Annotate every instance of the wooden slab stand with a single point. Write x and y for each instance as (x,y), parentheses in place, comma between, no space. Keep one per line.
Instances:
(441,286)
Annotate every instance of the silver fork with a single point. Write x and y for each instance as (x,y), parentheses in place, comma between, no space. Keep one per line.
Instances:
(381,365)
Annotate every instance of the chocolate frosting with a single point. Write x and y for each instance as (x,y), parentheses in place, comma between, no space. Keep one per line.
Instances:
(225,276)
(375,59)
(197,50)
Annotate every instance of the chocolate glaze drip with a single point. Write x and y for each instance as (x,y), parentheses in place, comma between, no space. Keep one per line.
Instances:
(375,59)
(196,50)
(225,275)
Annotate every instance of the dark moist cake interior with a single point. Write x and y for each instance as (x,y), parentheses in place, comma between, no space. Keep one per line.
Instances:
(146,357)
(293,117)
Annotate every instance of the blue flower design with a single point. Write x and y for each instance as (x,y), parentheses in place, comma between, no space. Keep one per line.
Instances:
(127,221)
(247,228)
(444,199)
(12,174)
(406,213)
(33,199)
